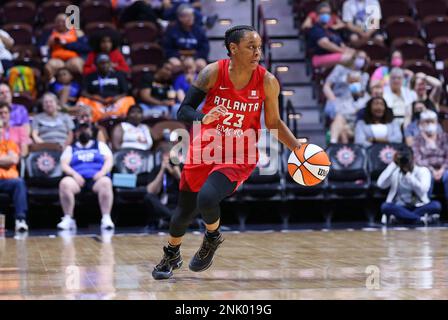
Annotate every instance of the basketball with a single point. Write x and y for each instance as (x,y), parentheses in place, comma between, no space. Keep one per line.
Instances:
(309,165)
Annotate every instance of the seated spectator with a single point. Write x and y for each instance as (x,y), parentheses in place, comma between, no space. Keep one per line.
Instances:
(408,197)
(105,43)
(132,133)
(345,90)
(431,148)
(52,126)
(87,165)
(62,56)
(138,11)
(84,116)
(157,97)
(171,7)
(382,74)
(18,135)
(66,89)
(162,192)
(362,19)
(183,81)
(19,114)
(6,58)
(398,97)
(378,125)
(413,129)
(105,91)
(10,181)
(327,46)
(312,18)
(420,83)
(185,39)
(375,91)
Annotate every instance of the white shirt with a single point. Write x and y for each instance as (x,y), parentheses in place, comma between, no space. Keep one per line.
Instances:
(102,147)
(136,137)
(401,105)
(5,54)
(352,8)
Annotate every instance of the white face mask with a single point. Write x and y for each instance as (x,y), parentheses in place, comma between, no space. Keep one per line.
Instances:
(430,128)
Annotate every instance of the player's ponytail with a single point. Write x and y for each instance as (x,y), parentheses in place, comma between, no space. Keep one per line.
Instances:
(235,34)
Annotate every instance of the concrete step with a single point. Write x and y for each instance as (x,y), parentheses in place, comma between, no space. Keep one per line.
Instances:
(279,19)
(230,12)
(286,50)
(291,73)
(217,50)
(300,96)
(307,115)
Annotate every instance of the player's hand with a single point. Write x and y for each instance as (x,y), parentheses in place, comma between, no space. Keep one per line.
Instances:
(214,114)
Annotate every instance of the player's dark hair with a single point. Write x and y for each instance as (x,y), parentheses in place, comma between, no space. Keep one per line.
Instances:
(235,34)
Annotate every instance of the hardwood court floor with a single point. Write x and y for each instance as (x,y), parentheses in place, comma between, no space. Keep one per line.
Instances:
(411,264)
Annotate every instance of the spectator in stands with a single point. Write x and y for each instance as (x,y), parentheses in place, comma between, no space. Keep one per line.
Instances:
(408,197)
(19,135)
(62,56)
(382,74)
(10,182)
(312,18)
(398,97)
(362,19)
(66,89)
(345,89)
(157,97)
(170,8)
(105,91)
(87,165)
(378,125)
(105,43)
(413,129)
(84,116)
(185,39)
(6,58)
(431,148)
(19,114)
(162,192)
(183,81)
(52,126)
(420,83)
(132,133)
(327,46)
(139,11)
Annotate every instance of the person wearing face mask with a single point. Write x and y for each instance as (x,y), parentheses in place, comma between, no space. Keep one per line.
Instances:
(413,129)
(132,133)
(381,74)
(409,193)
(327,45)
(377,125)
(87,164)
(345,90)
(431,148)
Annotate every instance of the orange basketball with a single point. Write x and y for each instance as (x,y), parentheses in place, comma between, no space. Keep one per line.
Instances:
(309,165)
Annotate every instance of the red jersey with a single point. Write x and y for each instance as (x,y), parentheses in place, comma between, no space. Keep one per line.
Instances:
(227,145)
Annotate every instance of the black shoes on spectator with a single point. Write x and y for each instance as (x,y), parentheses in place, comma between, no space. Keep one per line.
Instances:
(203,258)
(171,260)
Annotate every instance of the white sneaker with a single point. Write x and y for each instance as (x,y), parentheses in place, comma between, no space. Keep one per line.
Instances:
(106,223)
(67,223)
(425,219)
(21,226)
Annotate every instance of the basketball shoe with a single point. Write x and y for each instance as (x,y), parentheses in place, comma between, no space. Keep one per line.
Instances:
(171,260)
(203,258)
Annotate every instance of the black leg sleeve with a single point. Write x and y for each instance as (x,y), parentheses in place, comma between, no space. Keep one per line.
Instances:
(183,214)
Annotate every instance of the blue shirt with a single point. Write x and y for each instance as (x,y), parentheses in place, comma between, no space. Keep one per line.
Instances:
(318,32)
(176,38)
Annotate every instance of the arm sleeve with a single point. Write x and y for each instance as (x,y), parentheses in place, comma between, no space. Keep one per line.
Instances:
(89,66)
(384,180)
(187,111)
(395,134)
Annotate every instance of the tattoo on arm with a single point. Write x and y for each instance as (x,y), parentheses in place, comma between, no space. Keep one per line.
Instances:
(203,79)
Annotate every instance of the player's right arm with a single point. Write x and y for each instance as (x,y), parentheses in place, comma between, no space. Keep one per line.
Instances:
(198,90)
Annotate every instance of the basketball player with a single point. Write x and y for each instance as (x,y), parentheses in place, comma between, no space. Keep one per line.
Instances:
(226,85)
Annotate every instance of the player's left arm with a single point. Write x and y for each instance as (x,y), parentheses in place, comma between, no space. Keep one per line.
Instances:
(272,114)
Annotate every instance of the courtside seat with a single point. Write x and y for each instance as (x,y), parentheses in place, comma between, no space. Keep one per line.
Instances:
(380,155)
(43,172)
(348,177)
(137,162)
